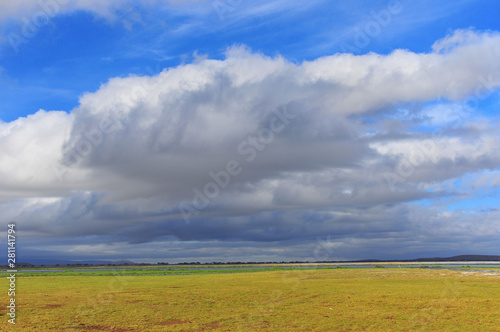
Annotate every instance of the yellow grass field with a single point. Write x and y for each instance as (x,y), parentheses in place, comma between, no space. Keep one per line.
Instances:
(388,299)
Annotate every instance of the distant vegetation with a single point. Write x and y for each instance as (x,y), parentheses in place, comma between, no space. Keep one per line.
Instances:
(122,262)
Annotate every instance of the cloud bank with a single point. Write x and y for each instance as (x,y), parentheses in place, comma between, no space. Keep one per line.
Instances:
(261,151)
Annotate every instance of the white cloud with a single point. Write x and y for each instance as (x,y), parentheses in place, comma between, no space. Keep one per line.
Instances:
(29,147)
(136,148)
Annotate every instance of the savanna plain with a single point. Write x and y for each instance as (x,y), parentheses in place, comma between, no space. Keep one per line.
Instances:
(261,299)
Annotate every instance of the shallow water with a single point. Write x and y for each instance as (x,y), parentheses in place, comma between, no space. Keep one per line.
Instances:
(456,266)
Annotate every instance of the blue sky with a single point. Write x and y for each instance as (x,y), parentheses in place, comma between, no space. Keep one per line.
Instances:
(78,51)
(397,104)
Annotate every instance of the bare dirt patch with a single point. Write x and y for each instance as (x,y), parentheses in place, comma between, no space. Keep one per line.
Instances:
(212,326)
(172,322)
(103,328)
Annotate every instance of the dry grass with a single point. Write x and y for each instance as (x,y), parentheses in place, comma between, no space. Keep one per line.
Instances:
(309,300)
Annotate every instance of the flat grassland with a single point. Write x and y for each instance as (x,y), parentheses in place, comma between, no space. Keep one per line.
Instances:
(368,299)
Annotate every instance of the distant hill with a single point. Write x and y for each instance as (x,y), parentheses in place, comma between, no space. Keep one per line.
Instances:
(124,262)
(460,258)
(23,265)
(472,258)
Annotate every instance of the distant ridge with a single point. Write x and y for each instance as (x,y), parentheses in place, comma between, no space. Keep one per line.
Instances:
(484,258)
(124,262)
(460,258)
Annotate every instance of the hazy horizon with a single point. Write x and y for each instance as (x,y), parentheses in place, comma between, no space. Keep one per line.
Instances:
(185,131)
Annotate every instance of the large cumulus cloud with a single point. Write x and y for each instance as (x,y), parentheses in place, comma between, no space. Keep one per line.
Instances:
(313,144)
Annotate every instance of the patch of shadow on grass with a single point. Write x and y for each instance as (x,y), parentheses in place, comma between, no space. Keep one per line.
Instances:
(51,306)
